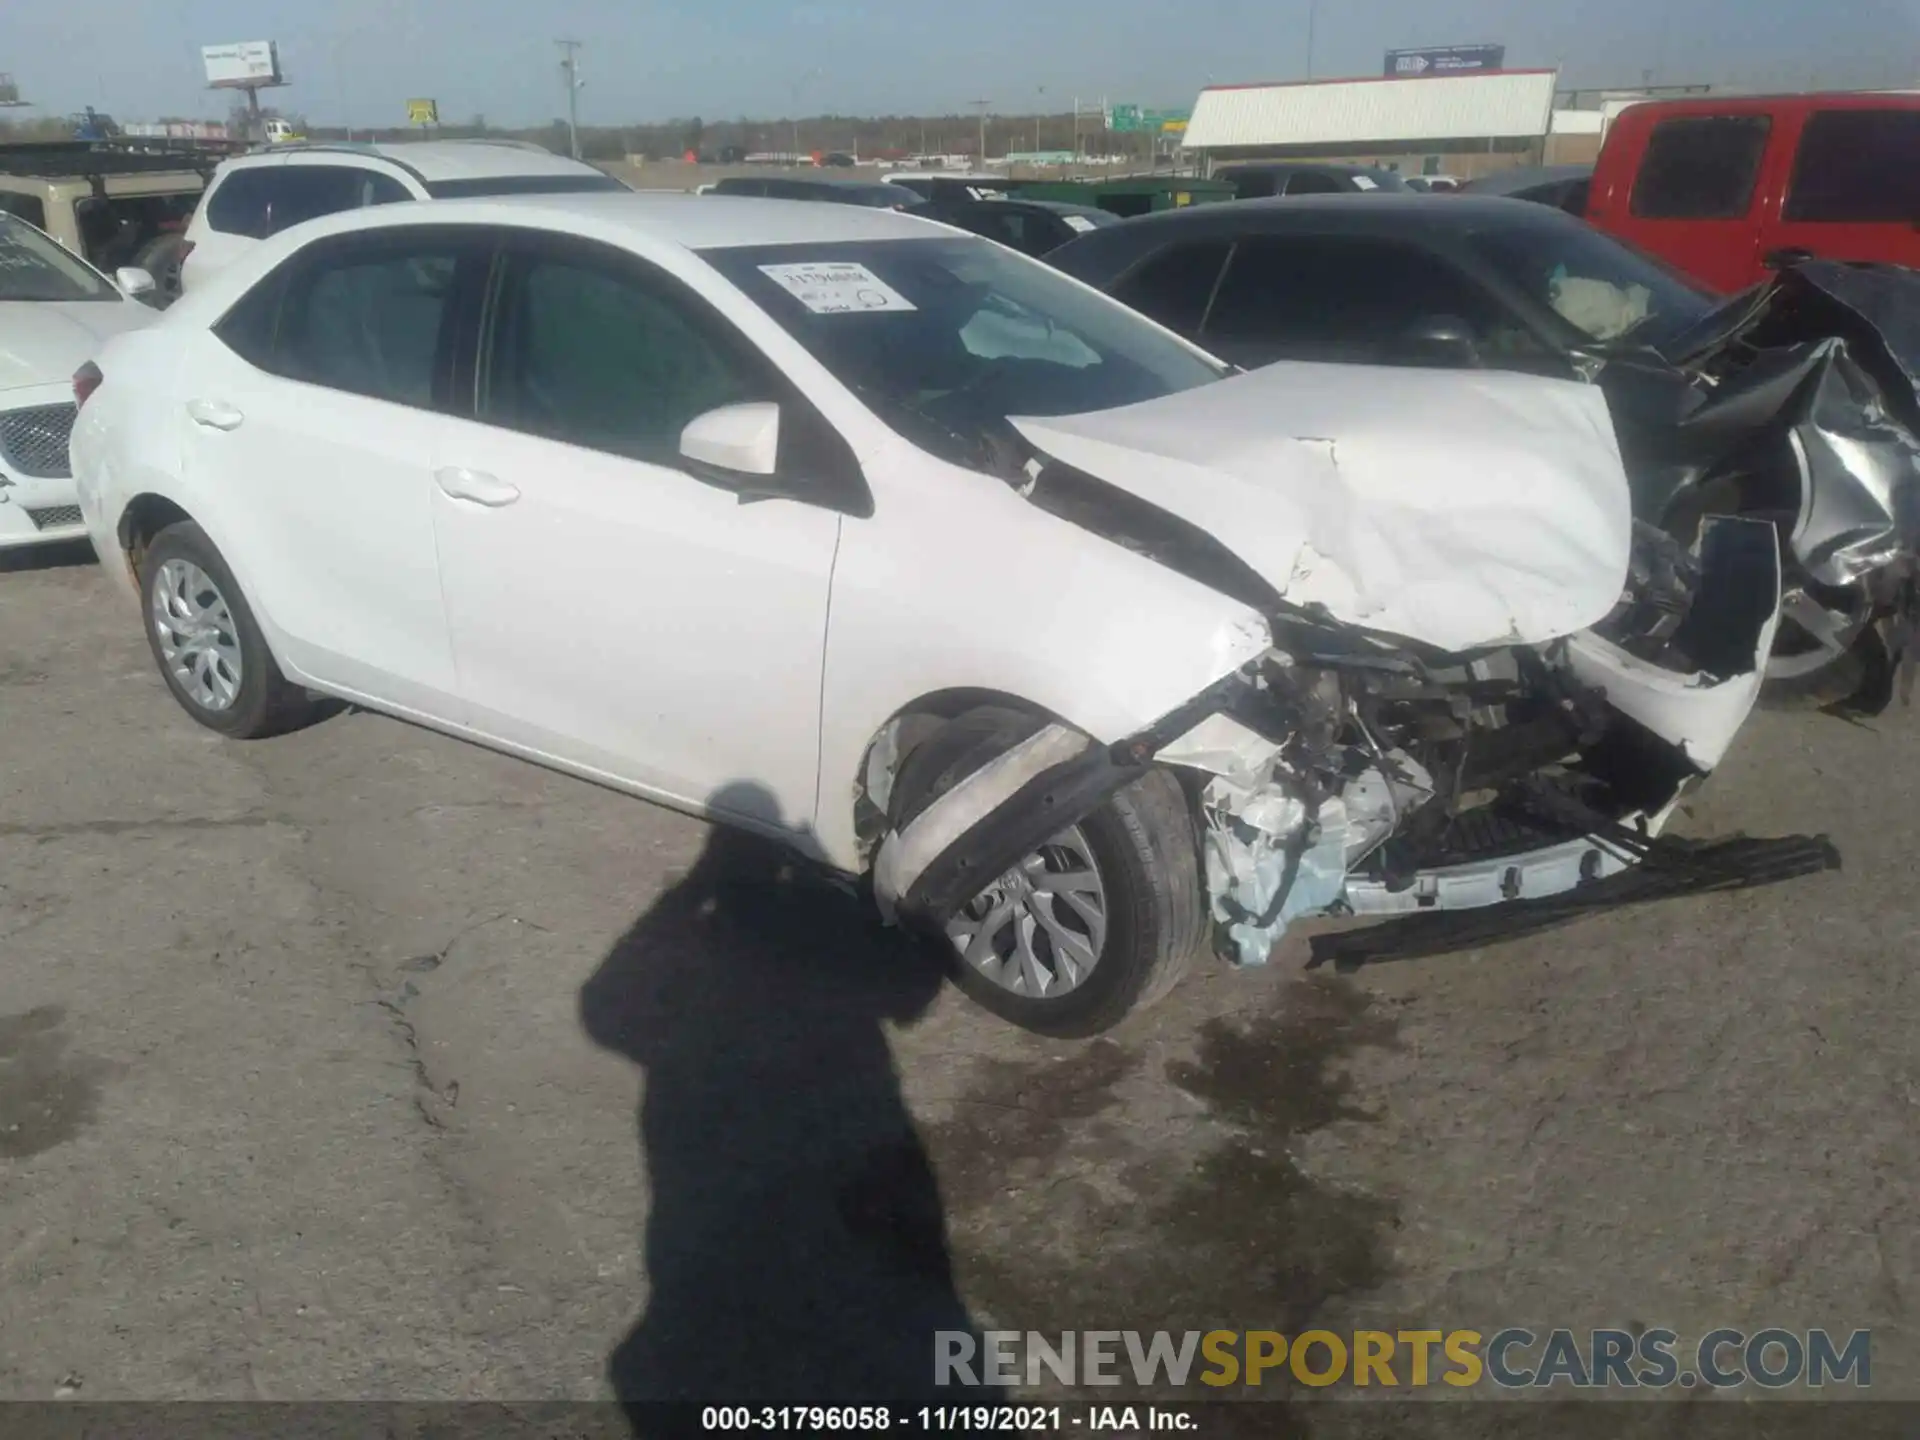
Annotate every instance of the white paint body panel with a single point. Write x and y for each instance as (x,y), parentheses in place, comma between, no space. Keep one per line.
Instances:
(626,617)
(1461,510)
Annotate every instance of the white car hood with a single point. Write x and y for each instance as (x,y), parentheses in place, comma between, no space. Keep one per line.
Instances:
(42,342)
(1457,509)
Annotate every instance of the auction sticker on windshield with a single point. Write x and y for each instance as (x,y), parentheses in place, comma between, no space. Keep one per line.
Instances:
(836,287)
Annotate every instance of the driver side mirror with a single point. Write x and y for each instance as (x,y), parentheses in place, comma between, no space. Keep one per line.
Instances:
(133,282)
(740,440)
(1441,340)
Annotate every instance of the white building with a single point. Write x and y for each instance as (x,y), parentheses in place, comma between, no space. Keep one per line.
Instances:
(1506,113)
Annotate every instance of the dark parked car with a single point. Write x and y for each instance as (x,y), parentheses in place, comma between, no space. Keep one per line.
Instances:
(1032,227)
(838,192)
(1306,177)
(1562,186)
(1750,406)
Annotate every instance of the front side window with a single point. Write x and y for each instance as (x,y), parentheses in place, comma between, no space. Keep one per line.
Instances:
(945,338)
(372,316)
(1348,298)
(605,353)
(1857,167)
(33,266)
(1701,167)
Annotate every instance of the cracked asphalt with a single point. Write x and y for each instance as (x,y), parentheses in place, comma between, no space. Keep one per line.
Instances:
(364,1063)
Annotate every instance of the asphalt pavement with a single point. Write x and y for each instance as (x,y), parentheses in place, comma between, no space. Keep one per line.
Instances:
(364,1063)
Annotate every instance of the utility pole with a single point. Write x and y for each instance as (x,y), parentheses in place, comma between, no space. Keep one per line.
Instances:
(981,157)
(570,67)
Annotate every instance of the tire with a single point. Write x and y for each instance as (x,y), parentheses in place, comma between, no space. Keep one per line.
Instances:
(213,658)
(1143,847)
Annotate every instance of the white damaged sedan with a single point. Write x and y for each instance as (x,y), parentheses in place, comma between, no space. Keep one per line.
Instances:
(936,565)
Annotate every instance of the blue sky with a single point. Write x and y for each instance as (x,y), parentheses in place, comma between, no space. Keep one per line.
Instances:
(359,60)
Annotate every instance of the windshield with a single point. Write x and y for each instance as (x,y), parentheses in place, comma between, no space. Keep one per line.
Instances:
(946,338)
(521,185)
(34,267)
(1606,290)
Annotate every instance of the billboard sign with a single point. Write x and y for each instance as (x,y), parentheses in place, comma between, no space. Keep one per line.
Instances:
(423,112)
(243,65)
(1444,60)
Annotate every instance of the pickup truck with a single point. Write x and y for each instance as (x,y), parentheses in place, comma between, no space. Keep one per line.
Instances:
(1730,188)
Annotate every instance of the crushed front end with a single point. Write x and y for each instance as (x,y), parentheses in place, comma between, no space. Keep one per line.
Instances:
(1351,774)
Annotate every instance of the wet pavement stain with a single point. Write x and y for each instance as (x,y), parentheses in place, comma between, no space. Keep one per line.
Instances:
(1063,1220)
(47,1096)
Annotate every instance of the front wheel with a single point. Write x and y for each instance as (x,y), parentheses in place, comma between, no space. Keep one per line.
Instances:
(1096,923)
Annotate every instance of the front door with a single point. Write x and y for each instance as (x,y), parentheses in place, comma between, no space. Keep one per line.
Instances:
(610,608)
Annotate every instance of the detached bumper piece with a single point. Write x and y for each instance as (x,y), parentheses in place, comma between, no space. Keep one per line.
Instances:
(1669,868)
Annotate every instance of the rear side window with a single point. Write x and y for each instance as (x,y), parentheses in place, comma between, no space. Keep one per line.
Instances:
(238,204)
(1701,167)
(1175,285)
(266,200)
(1859,167)
(28,207)
(373,316)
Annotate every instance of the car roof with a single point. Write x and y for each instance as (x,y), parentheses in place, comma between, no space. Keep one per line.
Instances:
(434,160)
(691,222)
(1396,210)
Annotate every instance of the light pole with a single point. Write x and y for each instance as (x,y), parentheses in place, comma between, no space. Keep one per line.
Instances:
(570,67)
(980,156)
(1313,11)
(798,86)
(1041,93)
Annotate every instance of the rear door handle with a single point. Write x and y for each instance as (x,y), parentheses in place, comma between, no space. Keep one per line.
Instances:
(475,485)
(215,414)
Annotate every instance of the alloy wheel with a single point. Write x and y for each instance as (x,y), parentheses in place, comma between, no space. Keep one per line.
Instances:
(195,631)
(1039,930)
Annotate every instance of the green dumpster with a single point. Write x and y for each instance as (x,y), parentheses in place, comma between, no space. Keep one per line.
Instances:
(1135,195)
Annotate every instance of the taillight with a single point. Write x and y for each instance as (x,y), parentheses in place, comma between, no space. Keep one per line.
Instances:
(86,380)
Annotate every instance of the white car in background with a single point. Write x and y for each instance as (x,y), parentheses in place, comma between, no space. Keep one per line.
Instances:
(938,566)
(55,312)
(253,197)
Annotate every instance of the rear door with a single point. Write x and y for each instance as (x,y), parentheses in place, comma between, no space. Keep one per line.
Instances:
(1696,196)
(312,412)
(1853,190)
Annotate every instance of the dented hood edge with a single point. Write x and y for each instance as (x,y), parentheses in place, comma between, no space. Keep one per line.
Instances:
(1459,510)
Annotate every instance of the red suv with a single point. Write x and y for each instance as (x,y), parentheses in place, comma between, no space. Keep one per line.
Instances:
(1728,188)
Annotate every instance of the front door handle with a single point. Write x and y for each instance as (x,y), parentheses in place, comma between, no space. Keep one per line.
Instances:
(215,414)
(475,485)
(1786,258)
